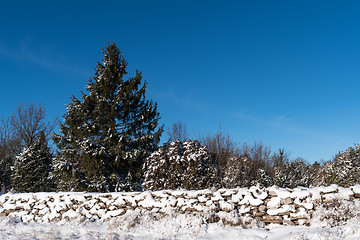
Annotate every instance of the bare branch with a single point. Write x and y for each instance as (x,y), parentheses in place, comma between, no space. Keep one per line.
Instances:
(178,131)
(23,128)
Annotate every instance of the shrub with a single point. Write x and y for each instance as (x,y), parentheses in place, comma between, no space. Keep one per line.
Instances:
(184,165)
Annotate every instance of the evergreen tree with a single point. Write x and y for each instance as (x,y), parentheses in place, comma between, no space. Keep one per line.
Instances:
(66,176)
(344,170)
(263,179)
(32,167)
(109,132)
(298,174)
(280,162)
(288,173)
(237,172)
(317,174)
(5,174)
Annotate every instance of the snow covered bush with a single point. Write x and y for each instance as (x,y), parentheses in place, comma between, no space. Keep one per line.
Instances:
(236,173)
(180,165)
(292,174)
(31,168)
(344,170)
(263,179)
(251,165)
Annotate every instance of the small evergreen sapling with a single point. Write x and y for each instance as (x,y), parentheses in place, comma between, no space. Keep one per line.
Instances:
(32,167)
(5,174)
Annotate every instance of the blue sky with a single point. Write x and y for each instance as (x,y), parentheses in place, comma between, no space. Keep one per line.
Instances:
(286,73)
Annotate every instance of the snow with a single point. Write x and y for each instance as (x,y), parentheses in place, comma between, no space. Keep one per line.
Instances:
(135,226)
(149,202)
(301,214)
(226,206)
(307,205)
(71,214)
(274,202)
(217,196)
(252,201)
(345,193)
(356,189)
(202,199)
(328,189)
(283,209)
(259,194)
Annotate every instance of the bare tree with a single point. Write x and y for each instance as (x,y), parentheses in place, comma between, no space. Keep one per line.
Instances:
(23,128)
(177,131)
(259,156)
(6,139)
(222,146)
(239,165)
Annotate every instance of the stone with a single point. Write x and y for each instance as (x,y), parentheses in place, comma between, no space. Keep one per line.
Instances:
(287,201)
(357,195)
(262,208)
(272,219)
(284,213)
(3,214)
(259,214)
(272,194)
(288,222)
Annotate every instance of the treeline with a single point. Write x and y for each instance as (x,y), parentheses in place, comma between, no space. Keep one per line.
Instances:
(109,141)
(241,165)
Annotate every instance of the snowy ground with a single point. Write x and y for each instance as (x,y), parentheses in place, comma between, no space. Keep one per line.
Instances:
(180,227)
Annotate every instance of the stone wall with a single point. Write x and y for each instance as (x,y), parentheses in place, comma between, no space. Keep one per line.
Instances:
(241,206)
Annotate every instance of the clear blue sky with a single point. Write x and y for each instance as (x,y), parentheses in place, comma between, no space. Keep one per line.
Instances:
(286,73)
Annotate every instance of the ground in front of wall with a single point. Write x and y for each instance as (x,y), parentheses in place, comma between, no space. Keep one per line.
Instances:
(175,227)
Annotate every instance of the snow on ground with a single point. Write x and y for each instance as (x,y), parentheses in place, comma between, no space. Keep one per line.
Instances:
(134,226)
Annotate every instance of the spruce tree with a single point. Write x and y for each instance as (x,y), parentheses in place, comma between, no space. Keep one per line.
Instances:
(32,167)
(109,132)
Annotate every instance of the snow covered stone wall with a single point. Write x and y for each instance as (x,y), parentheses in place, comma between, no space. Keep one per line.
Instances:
(241,206)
